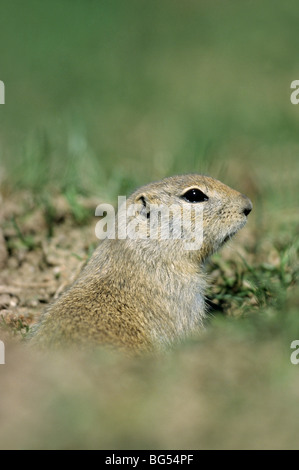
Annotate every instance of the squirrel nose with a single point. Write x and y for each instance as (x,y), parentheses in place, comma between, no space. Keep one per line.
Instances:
(248,205)
(247,210)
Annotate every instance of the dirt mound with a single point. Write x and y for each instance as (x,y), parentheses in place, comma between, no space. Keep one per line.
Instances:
(40,254)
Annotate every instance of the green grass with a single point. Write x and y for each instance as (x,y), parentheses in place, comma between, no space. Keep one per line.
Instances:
(143,90)
(104,96)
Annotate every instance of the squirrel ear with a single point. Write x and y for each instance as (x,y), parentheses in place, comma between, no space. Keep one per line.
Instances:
(145,207)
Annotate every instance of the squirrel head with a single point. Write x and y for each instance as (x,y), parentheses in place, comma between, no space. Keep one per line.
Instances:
(193,213)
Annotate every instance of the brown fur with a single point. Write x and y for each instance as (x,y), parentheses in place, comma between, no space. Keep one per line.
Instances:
(142,294)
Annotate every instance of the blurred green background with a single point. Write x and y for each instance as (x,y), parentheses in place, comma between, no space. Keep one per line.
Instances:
(106,95)
(103,96)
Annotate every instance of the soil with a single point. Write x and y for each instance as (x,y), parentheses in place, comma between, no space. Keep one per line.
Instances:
(35,267)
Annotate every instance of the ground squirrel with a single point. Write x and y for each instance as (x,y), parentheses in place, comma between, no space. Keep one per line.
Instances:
(148,292)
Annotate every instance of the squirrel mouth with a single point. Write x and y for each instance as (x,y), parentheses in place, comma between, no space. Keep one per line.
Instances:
(229,237)
(231,234)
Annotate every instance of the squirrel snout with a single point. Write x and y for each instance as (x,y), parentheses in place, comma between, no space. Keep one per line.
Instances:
(247,208)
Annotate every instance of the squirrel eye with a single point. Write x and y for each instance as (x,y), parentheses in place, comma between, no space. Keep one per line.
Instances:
(195,195)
